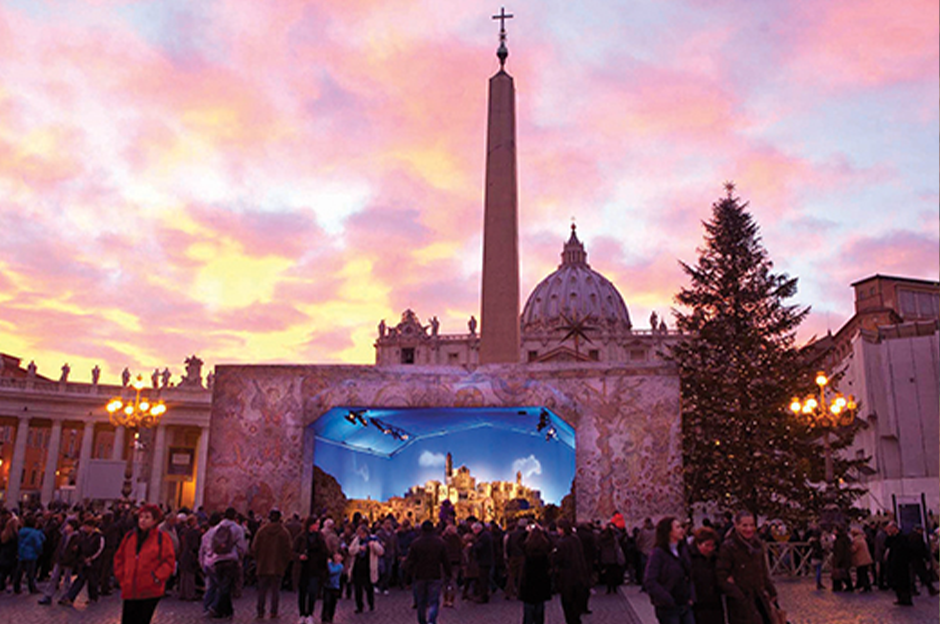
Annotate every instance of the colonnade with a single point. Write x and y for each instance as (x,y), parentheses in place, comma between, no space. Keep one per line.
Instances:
(158,456)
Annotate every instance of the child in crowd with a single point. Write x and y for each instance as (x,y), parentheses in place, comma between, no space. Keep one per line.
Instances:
(331,591)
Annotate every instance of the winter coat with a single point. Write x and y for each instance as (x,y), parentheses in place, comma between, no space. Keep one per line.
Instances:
(376,550)
(68,554)
(572,573)
(708,607)
(668,577)
(535,583)
(482,549)
(190,538)
(860,554)
(271,549)
(142,572)
(898,557)
(30,544)
(427,558)
(314,547)
(744,578)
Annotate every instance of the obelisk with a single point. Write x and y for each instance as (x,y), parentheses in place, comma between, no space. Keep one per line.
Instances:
(499,327)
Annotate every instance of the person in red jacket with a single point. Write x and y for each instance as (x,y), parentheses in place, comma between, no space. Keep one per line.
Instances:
(142,564)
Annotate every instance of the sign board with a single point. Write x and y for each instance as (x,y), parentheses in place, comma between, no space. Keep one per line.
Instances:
(181,463)
(104,479)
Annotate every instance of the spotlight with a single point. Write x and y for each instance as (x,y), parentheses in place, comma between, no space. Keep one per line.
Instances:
(543,420)
(550,434)
(350,418)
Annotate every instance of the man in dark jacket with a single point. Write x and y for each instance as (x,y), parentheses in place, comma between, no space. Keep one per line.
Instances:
(272,550)
(482,551)
(573,576)
(428,564)
(91,545)
(515,558)
(898,564)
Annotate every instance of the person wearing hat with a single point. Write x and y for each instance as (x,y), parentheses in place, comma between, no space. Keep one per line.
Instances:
(271,549)
(142,565)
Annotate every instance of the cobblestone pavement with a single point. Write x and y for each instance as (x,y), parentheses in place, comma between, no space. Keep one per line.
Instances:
(803,603)
(392,609)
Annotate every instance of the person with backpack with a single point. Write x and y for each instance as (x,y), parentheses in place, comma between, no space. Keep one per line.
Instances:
(66,558)
(91,545)
(143,563)
(227,544)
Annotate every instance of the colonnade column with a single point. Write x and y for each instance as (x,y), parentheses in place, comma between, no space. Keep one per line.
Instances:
(84,457)
(157,464)
(52,463)
(117,451)
(202,456)
(16,465)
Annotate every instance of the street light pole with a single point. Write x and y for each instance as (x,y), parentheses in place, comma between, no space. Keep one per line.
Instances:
(132,416)
(818,413)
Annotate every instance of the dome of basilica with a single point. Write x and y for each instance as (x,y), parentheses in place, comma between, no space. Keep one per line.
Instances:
(575,293)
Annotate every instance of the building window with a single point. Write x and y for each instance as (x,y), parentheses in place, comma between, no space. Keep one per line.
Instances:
(408,356)
(453,358)
(919,303)
(637,355)
(533,355)
(594,354)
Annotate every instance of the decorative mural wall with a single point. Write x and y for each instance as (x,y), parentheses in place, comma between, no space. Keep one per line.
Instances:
(626,419)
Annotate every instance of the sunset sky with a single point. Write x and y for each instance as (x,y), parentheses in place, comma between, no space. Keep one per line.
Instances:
(264,181)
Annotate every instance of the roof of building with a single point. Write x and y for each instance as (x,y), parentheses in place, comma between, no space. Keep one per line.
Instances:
(896,278)
(575,292)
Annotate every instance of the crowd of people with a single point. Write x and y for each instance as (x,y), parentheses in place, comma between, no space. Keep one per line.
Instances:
(715,573)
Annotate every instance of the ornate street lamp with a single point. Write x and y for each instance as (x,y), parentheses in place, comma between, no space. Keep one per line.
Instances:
(839,411)
(132,416)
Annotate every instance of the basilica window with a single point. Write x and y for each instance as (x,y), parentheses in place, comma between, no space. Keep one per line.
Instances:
(408,355)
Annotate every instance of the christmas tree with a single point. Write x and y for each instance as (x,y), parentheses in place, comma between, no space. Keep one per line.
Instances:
(739,367)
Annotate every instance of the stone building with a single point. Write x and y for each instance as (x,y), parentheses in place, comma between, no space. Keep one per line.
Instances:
(888,356)
(57,444)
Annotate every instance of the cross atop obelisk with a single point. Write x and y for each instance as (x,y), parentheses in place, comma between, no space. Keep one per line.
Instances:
(503,51)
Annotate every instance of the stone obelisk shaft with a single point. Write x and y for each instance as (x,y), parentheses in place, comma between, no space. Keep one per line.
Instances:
(499,330)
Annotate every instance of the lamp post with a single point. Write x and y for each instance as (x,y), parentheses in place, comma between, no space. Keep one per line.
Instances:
(132,416)
(839,411)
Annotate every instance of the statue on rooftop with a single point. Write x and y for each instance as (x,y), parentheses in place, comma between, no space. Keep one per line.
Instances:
(95,375)
(193,376)
(435,325)
(654,320)
(472,325)
(125,376)
(31,369)
(155,378)
(66,369)
(165,377)
(382,328)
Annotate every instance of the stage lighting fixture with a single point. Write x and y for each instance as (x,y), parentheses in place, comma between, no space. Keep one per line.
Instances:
(543,420)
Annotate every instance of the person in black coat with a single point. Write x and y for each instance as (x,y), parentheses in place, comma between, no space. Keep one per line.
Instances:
(668,575)
(428,564)
(898,564)
(708,607)
(572,574)
(482,552)
(535,580)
